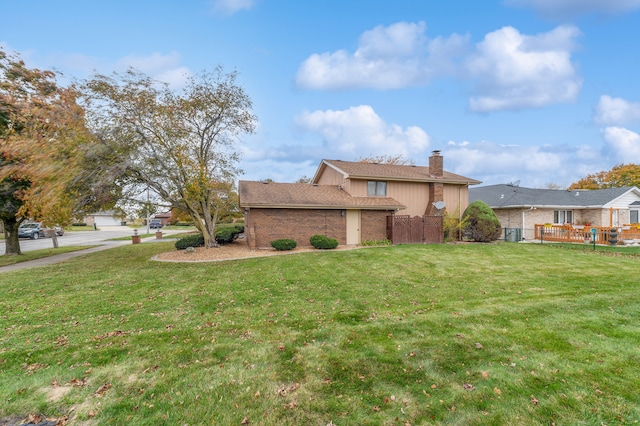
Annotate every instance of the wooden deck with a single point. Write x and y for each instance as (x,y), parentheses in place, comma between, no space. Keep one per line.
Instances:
(610,235)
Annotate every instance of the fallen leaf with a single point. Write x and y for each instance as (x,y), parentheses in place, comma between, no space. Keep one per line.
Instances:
(245,421)
(479,346)
(485,375)
(376,408)
(497,391)
(468,386)
(534,401)
(102,389)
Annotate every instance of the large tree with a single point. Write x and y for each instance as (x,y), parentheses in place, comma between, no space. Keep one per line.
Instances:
(397,160)
(180,144)
(41,131)
(619,176)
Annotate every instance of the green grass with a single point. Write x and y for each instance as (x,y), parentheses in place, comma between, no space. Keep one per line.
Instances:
(468,334)
(38,254)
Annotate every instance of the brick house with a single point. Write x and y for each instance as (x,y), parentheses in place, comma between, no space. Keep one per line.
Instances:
(349,201)
(521,209)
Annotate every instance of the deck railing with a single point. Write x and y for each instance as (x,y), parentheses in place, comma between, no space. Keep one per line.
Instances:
(611,235)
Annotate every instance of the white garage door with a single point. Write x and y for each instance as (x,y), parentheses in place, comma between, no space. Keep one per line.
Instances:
(107,221)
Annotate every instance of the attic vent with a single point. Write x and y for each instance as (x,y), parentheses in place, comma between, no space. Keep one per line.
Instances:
(501,196)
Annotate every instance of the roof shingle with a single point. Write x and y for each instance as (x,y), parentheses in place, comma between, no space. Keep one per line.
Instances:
(303,195)
(382,171)
(506,196)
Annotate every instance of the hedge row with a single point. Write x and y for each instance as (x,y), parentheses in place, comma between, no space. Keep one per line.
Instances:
(224,235)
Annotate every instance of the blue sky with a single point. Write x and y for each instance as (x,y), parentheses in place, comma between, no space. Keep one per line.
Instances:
(541,91)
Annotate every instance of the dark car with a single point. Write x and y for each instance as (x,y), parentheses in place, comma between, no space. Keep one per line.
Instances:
(155,224)
(35,230)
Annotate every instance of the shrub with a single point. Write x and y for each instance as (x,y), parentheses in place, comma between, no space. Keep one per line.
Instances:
(322,242)
(196,240)
(481,223)
(284,244)
(453,226)
(226,234)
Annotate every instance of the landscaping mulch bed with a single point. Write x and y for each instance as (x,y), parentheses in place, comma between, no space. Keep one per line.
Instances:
(237,249)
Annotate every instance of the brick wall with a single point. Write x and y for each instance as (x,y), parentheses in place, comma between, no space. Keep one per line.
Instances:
(266,225)
(373,225)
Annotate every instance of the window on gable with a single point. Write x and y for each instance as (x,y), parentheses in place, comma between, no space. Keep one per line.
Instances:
(562,216)
(376,188)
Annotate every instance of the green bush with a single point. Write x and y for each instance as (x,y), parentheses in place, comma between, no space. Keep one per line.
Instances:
(284,244)
(196,240)
(322,242)
(481,223)
(226,234)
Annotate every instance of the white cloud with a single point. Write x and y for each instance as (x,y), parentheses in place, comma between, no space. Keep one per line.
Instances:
(162,67)
(616,111)
(516,71)
(623,144)
(150,64)
(229,7)
(392,57)
(534,166)
(510,70)
(359,131)
(563,9)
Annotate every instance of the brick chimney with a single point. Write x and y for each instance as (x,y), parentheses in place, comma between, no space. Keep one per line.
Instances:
(436,189)
(436,164)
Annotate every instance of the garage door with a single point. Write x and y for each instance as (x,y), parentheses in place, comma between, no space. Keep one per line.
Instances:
(107,221)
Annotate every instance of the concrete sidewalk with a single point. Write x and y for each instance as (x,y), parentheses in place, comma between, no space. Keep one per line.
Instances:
(50,260)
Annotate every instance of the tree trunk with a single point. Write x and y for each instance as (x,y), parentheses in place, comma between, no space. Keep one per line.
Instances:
(11,241)
(54,238)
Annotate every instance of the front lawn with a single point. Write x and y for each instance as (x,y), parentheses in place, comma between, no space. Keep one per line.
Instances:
(468,334)
(38,254)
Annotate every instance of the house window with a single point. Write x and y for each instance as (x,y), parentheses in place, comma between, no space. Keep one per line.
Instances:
(633,216)
(563,216)
(376,188)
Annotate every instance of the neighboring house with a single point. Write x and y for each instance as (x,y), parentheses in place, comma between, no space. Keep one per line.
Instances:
(349,201)
(106,218)
(522,208)
(165,218)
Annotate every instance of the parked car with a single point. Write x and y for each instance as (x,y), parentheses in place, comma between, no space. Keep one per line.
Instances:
(155,224)
(35,230)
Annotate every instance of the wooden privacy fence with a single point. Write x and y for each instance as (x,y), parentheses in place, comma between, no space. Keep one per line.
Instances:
(415,230)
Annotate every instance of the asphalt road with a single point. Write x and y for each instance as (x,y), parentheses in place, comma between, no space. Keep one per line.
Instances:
(80,238)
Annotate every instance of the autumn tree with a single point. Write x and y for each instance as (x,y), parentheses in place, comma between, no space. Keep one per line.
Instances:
(180,144)
(397,160)
(619,176)
(41,130)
